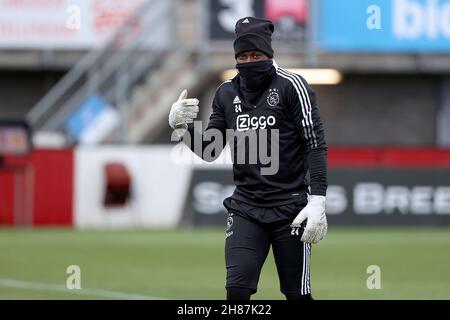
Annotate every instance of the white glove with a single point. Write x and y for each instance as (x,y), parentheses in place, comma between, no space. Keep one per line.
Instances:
(183,111)
(316,226)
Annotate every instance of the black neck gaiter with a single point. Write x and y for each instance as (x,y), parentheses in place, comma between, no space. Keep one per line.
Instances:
(255,77)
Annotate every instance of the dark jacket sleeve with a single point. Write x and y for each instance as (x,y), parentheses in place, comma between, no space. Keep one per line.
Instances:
(208,144)
(307,118)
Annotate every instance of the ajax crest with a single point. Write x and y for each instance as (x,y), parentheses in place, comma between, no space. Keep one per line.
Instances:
(273,98)
(229,221)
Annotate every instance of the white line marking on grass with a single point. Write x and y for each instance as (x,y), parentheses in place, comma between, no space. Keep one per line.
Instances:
(83,291)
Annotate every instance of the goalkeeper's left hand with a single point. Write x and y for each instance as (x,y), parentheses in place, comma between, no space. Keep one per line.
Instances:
(316,225)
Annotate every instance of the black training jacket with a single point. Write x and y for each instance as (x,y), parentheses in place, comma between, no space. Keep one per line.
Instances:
(289,105)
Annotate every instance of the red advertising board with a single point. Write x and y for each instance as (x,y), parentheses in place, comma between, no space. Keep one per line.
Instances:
(42,183)
(6,197)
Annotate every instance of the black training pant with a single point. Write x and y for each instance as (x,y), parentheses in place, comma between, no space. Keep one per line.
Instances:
(247,244)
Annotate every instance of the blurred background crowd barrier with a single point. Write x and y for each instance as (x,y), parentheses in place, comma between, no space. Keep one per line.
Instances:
(86,87)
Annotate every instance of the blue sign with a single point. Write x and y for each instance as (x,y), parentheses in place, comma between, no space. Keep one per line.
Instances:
(384,25)
(86,114)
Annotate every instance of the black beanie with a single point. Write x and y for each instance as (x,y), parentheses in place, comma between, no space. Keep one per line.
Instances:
(253,34)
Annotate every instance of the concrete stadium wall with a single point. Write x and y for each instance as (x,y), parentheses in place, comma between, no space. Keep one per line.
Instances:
(20,90)
(381,110)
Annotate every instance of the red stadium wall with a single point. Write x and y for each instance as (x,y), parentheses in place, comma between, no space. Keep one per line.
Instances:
(388,157)
(48,178)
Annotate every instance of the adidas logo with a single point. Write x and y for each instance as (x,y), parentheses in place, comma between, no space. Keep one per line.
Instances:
(236,100)
(246,21)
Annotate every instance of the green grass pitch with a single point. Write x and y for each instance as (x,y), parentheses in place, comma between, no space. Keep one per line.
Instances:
(189,264)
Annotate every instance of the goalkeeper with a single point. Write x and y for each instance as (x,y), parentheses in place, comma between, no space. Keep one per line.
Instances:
(285,210)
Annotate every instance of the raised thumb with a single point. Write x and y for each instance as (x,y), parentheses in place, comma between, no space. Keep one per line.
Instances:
(183,95)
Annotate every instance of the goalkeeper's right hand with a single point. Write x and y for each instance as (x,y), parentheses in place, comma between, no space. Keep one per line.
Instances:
(183,111)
